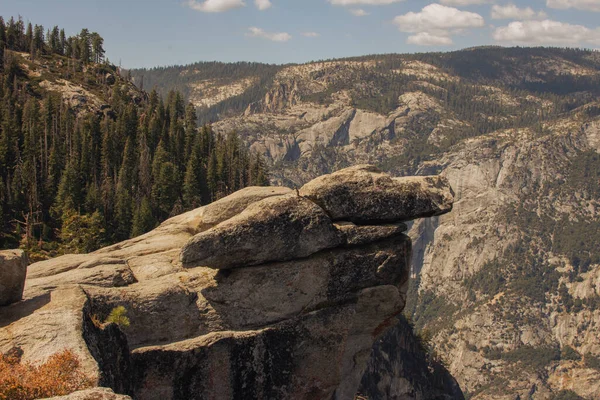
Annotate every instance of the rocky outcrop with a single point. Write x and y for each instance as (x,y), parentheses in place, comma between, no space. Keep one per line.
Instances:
(259,295)
(363,194)
(13,269)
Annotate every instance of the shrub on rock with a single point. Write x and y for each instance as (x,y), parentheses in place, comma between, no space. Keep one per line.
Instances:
(58,376)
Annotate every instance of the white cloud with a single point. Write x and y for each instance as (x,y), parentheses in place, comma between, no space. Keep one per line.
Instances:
(215,6)
(464,2)
(365,2)
(358,12)
(436,18)
(587,5)
(510,11)
(274,36)
(428,39)
(435,23)
(310,34)
(546,32)
(262,4)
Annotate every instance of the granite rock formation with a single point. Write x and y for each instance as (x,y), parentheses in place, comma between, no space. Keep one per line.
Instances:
(262,294)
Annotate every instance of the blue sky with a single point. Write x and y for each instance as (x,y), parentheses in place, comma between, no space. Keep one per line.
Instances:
(165,32)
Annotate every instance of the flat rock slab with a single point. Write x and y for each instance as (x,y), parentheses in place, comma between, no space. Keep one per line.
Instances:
(230,206)
(274,229)
(92,394)
(363,194)
(13,270)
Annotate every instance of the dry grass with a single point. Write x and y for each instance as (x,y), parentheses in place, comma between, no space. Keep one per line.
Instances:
(60,375)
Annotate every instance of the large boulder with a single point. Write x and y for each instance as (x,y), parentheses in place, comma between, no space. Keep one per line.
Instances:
(274,229)
(363,194)
(13,269)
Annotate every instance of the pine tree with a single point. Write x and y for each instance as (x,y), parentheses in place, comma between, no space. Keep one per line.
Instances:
(55,40)
(212,177)
(81,233)
(165,190)
(63,42)
(124,199)
(123,213)
(69,190)
(85,46)
(192,183)
(97,43)
(29,34)
(165,184)
(191,129)
(143,219)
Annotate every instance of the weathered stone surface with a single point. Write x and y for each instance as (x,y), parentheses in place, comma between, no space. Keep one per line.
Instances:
(274,229)
(289,309)
(362,234)
(108,275)
(13,269)
(166,304)
(227,207)
(92,394)
(251,297)
(364,194)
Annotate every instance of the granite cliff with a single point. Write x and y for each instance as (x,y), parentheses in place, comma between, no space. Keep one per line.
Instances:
(267,293)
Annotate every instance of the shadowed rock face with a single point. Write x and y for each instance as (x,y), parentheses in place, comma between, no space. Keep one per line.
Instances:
(13,268)
(399,369)
(257,296)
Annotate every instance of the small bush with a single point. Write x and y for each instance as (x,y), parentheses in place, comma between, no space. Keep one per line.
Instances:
(592,361)
(58,376)
(567,395)
(118,316)
(533,357)
(569,353)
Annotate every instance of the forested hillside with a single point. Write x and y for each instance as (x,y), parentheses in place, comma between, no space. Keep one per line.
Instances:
(197,83)
(88,159)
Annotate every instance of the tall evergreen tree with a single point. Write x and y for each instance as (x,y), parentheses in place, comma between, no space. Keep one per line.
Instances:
(2,43)
(194,176)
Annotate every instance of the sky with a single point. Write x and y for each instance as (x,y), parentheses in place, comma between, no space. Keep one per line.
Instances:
(149,33)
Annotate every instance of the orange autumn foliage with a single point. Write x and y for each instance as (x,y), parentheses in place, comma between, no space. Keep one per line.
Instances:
(58,376)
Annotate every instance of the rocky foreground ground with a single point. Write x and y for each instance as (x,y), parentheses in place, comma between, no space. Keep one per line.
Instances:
(267,293)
